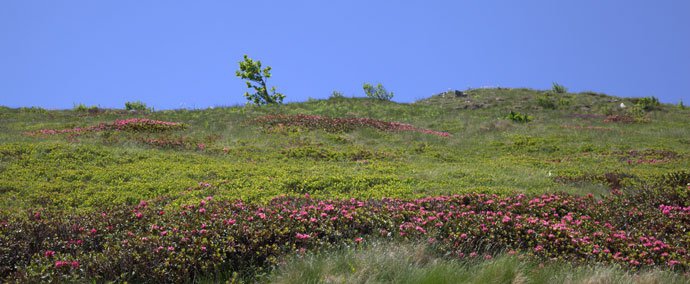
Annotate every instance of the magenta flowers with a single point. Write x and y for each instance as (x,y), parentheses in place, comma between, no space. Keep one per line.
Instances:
(131,124)
(214,233)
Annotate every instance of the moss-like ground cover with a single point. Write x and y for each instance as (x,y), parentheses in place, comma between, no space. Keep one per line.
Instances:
(73,167)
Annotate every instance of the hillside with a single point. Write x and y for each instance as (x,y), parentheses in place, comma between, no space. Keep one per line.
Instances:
(240,159)
(67,162)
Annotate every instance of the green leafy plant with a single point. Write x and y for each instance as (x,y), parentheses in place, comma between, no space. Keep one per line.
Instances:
(546,101)
(80,108)
(559,89)
(681,105)
(256,77)
(519,117)
(378,92)
(648,103)
(138,106)
(83,108)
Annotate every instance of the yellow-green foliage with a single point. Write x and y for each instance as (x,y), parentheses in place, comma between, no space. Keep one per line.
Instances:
(570,150)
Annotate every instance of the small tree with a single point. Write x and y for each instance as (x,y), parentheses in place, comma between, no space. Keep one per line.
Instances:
(256,77)
(378,92)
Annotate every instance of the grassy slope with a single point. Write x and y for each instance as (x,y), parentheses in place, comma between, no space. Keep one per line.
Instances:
(486,153)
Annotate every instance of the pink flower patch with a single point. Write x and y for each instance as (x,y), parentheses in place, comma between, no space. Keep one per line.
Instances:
(301,236)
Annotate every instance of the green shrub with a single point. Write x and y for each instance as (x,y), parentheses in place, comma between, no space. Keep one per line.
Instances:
(83,108)
(80,108)
(156,242)
(637,112)
(648,103)
(33,110)
(138,106)
(559,89)
(563,102)
(378,92)
(336,95)
(519,117)
(546,102)
(681,105)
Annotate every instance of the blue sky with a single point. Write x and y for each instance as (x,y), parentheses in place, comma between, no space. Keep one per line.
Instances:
(172,54)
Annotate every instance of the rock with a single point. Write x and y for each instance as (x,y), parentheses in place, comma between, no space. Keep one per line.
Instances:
(455,93)
(458,94)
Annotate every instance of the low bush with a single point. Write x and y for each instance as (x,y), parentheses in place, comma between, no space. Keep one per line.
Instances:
(331,124)
(152,242)
(558,88)
(136,106)
(519,117)
(84,108)
(32,110)
(648,103)
(132,124)
(546,102)
(336,95)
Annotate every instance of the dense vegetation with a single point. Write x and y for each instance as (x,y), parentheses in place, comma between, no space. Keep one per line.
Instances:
(139,195)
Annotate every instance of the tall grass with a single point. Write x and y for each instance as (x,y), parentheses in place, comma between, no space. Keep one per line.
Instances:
(417,263)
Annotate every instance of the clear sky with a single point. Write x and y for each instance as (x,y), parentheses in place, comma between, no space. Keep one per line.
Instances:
(172,54)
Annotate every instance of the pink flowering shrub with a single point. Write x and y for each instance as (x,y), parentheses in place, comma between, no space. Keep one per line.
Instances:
(131,124)
(146,244)
(332,124)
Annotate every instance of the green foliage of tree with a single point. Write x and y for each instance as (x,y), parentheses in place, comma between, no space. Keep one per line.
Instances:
(378,92)
(256,77)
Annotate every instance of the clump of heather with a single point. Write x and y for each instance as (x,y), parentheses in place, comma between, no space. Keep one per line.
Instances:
(148,243)
(332,124)
(132,124)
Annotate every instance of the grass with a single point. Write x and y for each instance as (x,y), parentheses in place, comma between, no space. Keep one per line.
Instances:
(418,263)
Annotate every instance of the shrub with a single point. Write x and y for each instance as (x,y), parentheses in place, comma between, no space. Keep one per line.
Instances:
(131,124)
(378,92)
(32,109)
(138,106)
(648,103)
(563,102)
(83,108)
(546,102)
(681,105)
(519,117)
(559,89)
(336,95)
(256,77)
(80,108)
(157,242)
(333,124)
